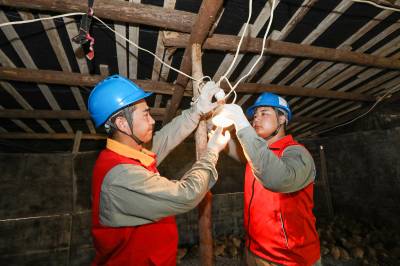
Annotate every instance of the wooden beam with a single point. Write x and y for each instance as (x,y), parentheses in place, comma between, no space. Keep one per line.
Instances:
(254,45)
(299,91)
(77,79)
(115,10)
(205,207)
(54,136)
(157,114)
(207,15)
(77,142)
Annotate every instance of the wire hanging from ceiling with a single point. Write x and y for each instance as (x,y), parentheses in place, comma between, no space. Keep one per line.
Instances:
(232,88)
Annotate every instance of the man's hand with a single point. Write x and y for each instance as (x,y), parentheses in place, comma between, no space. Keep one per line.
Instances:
(217,141)
(235,113)
(204,104)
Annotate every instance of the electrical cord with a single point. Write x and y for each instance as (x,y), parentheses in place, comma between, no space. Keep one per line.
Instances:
(377,5)
(362,115)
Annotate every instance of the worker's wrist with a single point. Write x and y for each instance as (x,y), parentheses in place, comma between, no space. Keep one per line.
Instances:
(211,155)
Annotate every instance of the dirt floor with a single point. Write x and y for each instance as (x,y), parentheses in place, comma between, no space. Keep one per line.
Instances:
(344,242)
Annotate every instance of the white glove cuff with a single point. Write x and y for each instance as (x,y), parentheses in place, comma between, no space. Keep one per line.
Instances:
(242,124)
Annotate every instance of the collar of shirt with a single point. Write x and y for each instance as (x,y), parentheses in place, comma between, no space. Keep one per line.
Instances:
(145,157)
(281,142)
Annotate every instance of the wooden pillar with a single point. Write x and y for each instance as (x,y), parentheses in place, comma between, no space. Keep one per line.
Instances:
(205,207)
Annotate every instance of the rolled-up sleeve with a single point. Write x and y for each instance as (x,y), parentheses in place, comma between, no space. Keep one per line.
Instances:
(131,195)
(292,172)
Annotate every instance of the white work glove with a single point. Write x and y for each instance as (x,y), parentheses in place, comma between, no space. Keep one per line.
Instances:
(204,104)
(235,113)
(217,141)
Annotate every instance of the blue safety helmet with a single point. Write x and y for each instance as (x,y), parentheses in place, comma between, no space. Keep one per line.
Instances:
(272,100)
(111,95)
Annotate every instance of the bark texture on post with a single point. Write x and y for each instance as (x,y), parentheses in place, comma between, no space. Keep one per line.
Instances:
(208,13)
(205,207)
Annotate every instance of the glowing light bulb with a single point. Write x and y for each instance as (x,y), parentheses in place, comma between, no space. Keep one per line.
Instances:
(219,118)
(220,95)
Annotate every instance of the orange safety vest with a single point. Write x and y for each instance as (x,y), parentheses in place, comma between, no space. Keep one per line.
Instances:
(280,227)
(150,244)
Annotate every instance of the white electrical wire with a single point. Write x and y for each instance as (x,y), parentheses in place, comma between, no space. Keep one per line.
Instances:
(40,19)
(377,5)
(240,43)
(263,46)
(233,88)
(108,27)
(362,115)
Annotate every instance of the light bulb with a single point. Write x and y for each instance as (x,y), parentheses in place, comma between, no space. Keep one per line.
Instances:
(219,95)
(219,118)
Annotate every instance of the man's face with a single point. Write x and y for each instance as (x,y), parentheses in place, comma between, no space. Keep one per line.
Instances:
(143,123)
(265,121)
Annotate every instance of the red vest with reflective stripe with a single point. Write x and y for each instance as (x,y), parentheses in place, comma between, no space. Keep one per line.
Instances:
(280,227)
(149,244)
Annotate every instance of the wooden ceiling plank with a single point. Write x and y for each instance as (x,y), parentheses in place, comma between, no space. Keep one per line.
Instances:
(206,17)
(121,46)
(5,61)
(55,136)
(160,50)
(19,123)
(68,78)
(26,58)
(252,31)
(55,41)
(290,25)
(133,32)
(55,114)
(346,45)
(282,63)
(351,71)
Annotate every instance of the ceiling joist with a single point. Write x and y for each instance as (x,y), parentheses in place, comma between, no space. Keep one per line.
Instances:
(76,79)
(254,45)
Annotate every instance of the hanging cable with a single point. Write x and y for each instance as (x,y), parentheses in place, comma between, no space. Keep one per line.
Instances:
(377,5)
(240,43)
(108,27)
(233,88)
(362,115)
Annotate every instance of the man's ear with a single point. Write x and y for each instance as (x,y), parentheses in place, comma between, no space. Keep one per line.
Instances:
(282,120)
(122,124)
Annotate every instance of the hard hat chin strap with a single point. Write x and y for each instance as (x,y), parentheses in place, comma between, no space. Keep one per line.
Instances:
(278,128)
(127,114)
(128,117)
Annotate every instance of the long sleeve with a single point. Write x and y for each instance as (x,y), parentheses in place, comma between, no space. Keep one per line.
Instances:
(172,134)
(131,195)
(292,172)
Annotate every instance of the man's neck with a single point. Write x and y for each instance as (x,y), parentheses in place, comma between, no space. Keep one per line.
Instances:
(277,137)
(126,140)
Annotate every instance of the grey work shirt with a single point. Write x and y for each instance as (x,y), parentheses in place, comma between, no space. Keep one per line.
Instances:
(132,195)
(292,172)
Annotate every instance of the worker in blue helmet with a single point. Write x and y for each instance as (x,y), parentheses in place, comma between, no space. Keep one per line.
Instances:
(133,206)
(279,182)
